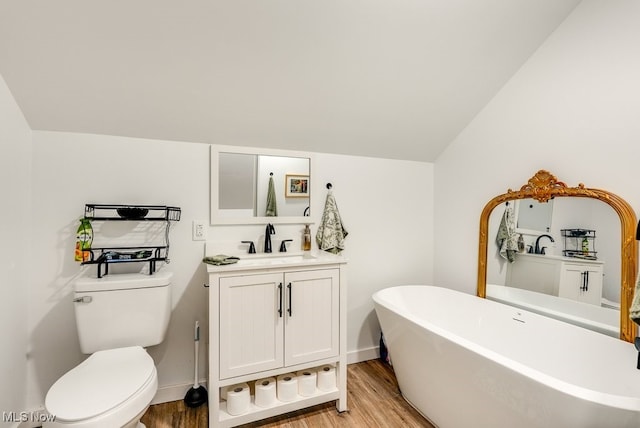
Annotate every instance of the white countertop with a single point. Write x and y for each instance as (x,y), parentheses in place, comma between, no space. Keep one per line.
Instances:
(561,258)
(279,260)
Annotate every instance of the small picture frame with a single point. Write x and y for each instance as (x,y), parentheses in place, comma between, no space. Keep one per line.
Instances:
(296,186)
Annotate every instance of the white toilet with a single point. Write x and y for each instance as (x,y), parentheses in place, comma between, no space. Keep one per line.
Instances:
(117,316)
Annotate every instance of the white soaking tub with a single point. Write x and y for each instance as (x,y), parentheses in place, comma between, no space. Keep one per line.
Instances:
(463,361)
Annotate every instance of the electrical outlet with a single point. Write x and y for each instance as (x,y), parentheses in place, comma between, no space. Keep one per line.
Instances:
(199,231)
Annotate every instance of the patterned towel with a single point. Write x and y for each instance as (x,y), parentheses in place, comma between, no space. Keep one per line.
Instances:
(272,208)
(331,232)
(506,239)
(220,259)
(634,310)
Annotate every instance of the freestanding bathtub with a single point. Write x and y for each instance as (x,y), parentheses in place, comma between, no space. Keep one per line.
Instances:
(463,361)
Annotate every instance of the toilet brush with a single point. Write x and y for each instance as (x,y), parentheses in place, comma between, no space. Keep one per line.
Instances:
(197,395)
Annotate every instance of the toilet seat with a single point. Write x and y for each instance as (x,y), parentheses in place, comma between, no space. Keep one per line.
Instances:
(115,383)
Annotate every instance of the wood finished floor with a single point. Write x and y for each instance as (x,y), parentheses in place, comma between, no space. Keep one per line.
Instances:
(373,400)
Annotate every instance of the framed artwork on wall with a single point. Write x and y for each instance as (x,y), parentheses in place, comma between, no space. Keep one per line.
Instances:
(296,186)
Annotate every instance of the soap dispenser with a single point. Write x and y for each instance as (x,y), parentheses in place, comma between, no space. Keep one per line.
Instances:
(521,243)
(306,238)
(84,238)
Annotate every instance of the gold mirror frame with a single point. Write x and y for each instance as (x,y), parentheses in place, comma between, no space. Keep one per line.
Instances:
(544,186)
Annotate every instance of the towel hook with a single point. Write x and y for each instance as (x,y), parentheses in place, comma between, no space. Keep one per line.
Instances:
(329,186)
(271,174)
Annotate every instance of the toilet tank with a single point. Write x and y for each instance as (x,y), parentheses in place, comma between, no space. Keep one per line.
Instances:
(122,310)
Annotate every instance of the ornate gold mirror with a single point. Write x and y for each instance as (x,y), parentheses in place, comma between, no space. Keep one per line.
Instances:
(544,187)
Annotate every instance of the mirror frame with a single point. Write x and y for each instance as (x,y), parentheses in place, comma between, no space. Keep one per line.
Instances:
(544,186)
(216,219)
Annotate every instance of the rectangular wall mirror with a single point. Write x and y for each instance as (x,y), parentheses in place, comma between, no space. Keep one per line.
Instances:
(533,217)
(240,185)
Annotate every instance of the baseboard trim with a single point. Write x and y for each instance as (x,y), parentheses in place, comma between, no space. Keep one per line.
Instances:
(361,355)
(166,394)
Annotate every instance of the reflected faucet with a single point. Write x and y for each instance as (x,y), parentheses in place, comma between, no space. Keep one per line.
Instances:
(539,250)
(270,230)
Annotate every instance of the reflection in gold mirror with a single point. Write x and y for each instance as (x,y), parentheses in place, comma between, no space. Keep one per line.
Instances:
(544,187)
(574,280)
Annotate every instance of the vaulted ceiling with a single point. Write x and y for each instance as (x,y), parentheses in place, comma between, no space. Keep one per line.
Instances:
(385,78)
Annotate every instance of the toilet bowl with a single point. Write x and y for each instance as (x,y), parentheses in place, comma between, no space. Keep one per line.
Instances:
(111,388)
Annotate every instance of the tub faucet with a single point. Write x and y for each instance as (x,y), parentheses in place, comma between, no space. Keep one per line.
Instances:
(539,250)
(270,230)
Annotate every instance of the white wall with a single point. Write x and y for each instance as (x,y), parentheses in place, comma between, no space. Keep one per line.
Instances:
(386,206)
(16,249)
(571,109)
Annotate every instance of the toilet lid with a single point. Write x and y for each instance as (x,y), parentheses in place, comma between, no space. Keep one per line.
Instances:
(100,383)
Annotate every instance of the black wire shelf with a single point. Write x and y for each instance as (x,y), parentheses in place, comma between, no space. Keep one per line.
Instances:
(123,212)
(104,256)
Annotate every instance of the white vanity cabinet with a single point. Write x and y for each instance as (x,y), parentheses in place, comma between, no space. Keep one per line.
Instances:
(272,316)
(567,277)
(581,282)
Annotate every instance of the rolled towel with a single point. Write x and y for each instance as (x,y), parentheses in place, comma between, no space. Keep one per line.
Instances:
(220,259)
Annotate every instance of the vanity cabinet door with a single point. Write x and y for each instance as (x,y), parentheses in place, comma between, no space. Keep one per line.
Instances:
(595,282)
(312,315)
(581,282)
(251,324)
(534,273)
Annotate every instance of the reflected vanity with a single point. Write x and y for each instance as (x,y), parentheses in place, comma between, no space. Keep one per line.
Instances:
(573,207)
(240,182)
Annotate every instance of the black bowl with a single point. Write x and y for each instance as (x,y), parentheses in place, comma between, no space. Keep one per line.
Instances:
(132,213)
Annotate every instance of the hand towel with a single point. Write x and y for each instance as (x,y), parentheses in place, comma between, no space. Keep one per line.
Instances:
(506,239)
(272,208)
(634,310)
(331,233)
(220,259)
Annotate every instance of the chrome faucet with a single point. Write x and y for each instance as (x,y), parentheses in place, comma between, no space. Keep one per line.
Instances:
(270,230)
(539,250)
